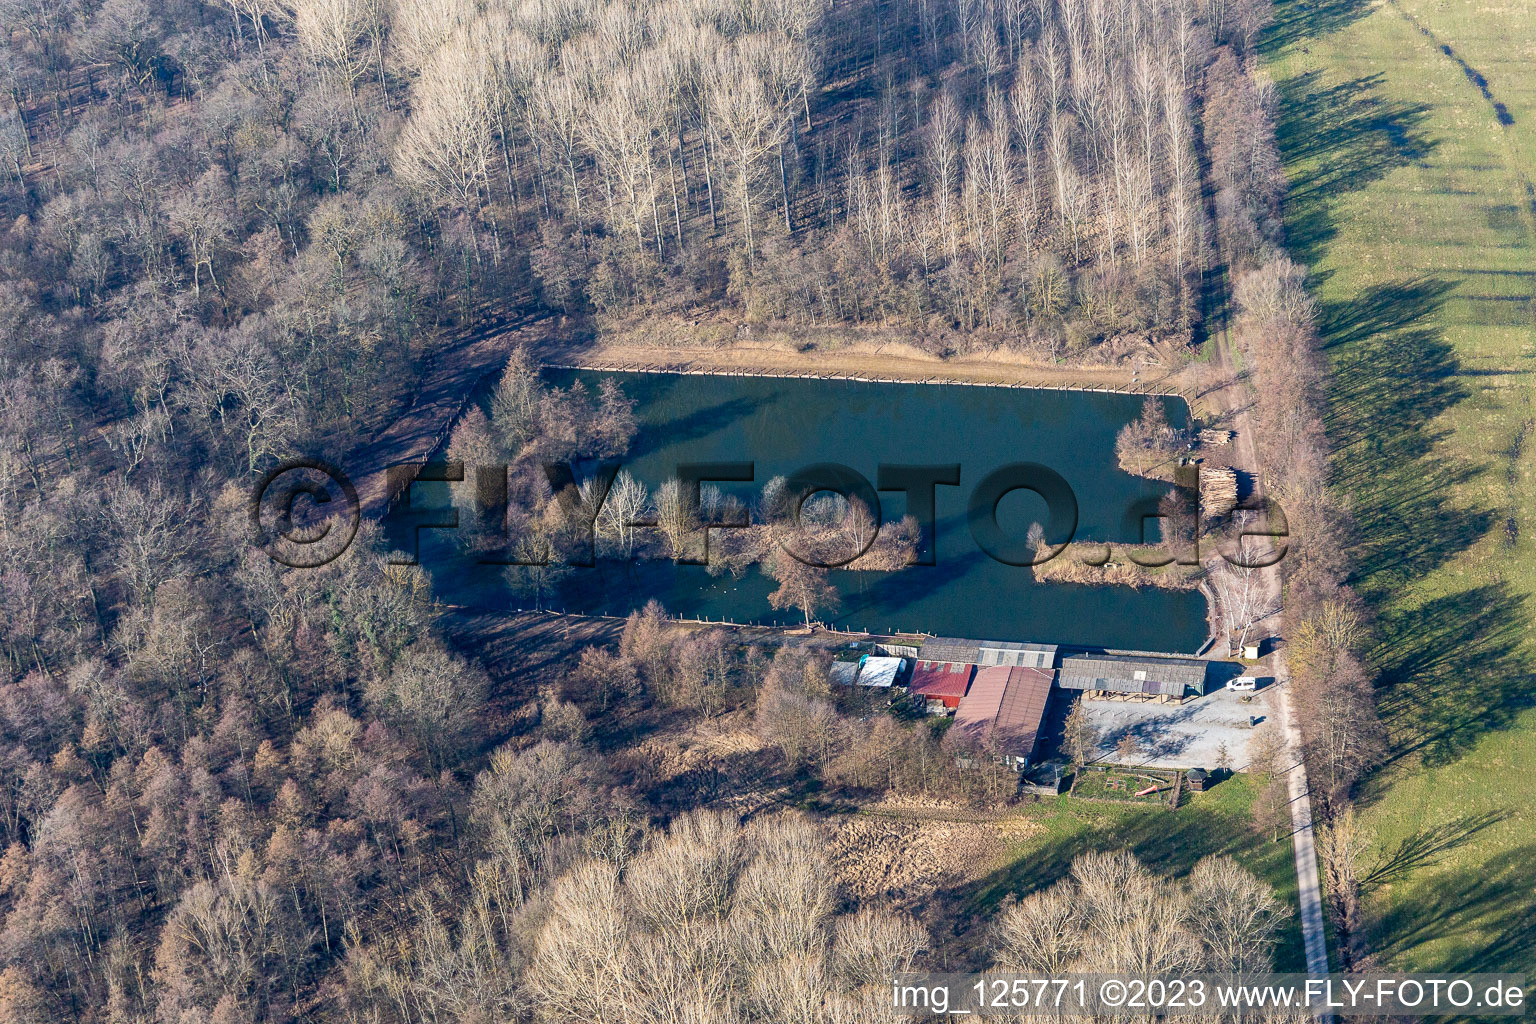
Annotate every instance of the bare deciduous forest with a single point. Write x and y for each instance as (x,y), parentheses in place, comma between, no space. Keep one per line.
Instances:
(235,793)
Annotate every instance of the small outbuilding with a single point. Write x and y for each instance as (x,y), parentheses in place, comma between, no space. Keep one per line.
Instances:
(880,673)
(942,681)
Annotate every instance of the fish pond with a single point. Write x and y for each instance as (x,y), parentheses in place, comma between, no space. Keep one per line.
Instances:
(782,425)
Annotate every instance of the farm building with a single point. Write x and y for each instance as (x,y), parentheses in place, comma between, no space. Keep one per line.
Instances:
(954,651)
(942,681)
(881,673)
(978,708)
(1004,710)
(843,673)
(949,651)
(1017,728)
(1119,673)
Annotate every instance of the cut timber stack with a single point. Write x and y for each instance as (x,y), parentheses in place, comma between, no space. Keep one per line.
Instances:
(1209,436)
(1218,492)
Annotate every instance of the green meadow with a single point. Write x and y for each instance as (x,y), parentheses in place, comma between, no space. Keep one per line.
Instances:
(1408,130)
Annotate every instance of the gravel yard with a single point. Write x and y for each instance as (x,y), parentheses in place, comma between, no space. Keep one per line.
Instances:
(1186,735)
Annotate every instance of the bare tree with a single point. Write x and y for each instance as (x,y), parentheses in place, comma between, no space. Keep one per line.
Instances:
(1112,914)
(336,34)
(1025,104)
(418,28)
(677,516)
(583,966)
(1080,739)
(625,505)
(445,147)
(801,586)
(434,696)
(1237,917)
(150,534)
(621,129)
(941,152)
(559,112)
(1040,933)
(872,945)
(1341,847)
(15,146)
(747,126)
(1239,584)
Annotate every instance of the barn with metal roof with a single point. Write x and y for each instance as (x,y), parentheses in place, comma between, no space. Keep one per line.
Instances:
(1021,717)
(978,708)
(950,650)
(1004,711)
(1018,655)
(1118,673)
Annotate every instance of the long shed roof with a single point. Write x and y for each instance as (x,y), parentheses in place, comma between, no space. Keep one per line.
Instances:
(1167,676)
(1022,712)
(951,649)
(1004,709)
(987,652)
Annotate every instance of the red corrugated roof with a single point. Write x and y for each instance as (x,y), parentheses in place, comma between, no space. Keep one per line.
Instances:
(941,679)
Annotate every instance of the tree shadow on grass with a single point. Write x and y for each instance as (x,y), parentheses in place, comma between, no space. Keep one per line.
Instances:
(1474,920)
(1169,843)
(1394,375)
(1429,844)
(1452,670)
(1299,20)
(1336,139)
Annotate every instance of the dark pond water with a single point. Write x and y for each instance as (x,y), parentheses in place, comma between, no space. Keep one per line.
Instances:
(785,424)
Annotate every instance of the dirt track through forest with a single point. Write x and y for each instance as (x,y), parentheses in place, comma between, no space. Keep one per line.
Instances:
(453,373)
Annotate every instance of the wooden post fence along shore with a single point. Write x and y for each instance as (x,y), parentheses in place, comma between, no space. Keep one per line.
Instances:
(679,369)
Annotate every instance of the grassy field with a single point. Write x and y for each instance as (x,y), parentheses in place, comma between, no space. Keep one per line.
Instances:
(1408,130)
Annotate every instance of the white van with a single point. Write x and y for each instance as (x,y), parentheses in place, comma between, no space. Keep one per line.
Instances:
(1243,684)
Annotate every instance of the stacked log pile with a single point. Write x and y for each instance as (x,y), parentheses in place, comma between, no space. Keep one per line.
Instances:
(1218,492)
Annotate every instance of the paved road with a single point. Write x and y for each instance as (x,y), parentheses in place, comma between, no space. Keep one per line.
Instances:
(1308,888)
